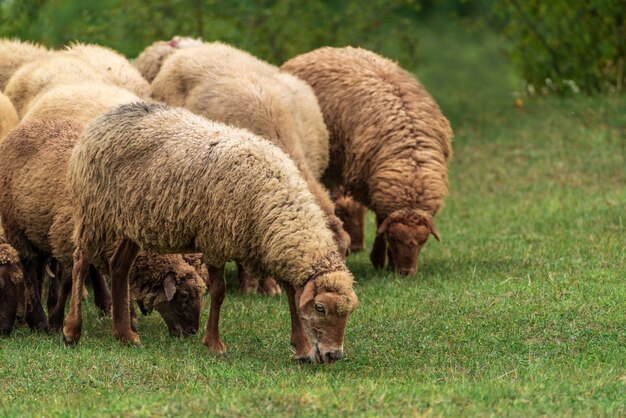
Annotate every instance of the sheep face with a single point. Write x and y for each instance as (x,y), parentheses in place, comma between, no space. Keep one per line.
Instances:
(179,304)
(352,215)
(324,314)
(405,233)
(9,298)
(340,236)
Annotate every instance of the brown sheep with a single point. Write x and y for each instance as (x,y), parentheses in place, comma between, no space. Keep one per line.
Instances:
(14,54)
(230,195)
(114,67)
(37,217)
(8,116)
(231,86)
(11,286)
(352,213)
(390,145)
(149,62)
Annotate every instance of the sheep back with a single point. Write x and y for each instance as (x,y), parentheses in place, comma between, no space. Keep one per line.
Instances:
(390,143)
(172,181)
(14,54)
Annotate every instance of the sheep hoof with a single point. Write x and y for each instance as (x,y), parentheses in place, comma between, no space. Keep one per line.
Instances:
(129,338)
(269,287)
(215,347)
(70,339)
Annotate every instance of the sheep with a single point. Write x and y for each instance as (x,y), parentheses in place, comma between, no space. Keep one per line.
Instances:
(14,54)
(390,145)
(41,75)
(352,213)
(165,179)
(37,217)
(149,62)
(114,67)
(79,102)
(8,116)
(227,85)
(11,286)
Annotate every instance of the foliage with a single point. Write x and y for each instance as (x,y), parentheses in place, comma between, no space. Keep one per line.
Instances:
(564,45)
(272,29)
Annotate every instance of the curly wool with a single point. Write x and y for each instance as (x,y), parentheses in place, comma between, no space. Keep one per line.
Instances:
(390,142)
(79,102)
(39,217)
(231,86)
(172,181)
(15,53)
(43,74)
(114,67)
(151,59)
(195,261)
(8,116)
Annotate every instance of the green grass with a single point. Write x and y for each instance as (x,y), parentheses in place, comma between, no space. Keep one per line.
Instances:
(520,310)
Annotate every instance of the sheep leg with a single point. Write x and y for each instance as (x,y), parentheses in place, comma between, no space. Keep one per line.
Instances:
(35,315)
(358,232)
(65,287)
(134,322)
(74,320)
(120,265)
(217,289)
(379,249)
(53,286)
(247,282)
(299,339)
(269,287)
(101,295)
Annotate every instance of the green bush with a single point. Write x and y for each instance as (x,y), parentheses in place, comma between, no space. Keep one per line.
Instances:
(271,29)
(563,45)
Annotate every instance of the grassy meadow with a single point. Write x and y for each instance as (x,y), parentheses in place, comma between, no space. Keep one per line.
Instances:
(520,310)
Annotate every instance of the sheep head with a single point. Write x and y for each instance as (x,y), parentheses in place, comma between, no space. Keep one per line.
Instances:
(352,214)
(324,304)
(405,232)
(340,236)
(179,302)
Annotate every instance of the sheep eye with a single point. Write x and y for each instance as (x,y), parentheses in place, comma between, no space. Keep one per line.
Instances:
(319,307)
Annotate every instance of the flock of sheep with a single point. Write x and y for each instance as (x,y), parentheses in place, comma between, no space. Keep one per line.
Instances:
(159,172)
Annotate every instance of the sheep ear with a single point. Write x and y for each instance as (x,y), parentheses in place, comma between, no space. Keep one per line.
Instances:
(384,225)
(433,230)
(169,284)
(142,308)
(308,293)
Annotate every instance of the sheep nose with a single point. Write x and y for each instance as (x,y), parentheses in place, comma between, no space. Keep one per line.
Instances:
(333,356)
(191,331)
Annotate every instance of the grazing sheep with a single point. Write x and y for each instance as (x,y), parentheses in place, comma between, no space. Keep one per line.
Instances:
(113,66)
(14,54)
(390,145)
(231,86)
(352,213)
(39,76)
(149,62)
(11,285)
(79,102)
(166,180)
(37,216)
(8,116)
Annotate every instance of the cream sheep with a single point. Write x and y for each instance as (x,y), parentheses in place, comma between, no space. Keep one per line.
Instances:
(39,76)
(149,62)
(231,86)
(8,116)
(37,217)
(79,102)
(11,285)
(114,67)
(14,54)
(166,180)
(390,145)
